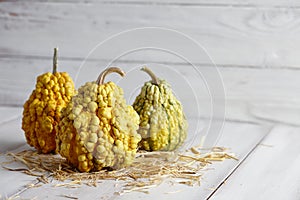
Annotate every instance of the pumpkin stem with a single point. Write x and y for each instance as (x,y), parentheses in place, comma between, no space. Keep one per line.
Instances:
(155,80)
(107,71)
(55,61)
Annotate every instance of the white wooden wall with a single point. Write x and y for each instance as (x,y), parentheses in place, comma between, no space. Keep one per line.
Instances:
(255,44)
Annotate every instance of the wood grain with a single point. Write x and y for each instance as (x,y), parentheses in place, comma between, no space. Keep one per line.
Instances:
(9,129)
(253,37)
(271,172)
(212,178)
(14,113)
(251,94)
(213,3)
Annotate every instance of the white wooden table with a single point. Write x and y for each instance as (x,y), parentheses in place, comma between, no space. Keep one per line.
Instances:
(267,168)
(255,45)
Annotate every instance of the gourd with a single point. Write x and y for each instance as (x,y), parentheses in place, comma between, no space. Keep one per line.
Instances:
(42,110)
(163,125)
(98,129)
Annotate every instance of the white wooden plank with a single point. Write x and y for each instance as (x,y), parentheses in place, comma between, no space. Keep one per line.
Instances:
(241,138)
(12,182)
(270,172)
(11,138)
(249,92)
(214,3)
(232,36)
(11,135)
(8,114)
(277,112)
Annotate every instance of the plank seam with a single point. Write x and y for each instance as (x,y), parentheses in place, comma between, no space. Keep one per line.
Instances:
(242,161)
(157,3)
(9,120)
(191,118)
(233,66)
(191,4)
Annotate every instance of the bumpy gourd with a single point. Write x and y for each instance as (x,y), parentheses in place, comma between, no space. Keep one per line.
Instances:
(42,110)
(163,125)
(98,129)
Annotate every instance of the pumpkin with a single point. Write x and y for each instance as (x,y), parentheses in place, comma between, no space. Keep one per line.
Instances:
(42,110)
(163,125)
(98,129)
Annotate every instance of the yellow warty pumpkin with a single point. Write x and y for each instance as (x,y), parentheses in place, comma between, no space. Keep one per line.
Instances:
(98,129)
(42,110)
(163,125)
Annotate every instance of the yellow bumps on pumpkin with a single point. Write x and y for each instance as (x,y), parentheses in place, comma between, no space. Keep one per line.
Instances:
(102,126)
(163,125)
(42,110)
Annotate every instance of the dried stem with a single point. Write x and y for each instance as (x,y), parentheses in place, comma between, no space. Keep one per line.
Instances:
(55,61)
(109,70)
(155,80)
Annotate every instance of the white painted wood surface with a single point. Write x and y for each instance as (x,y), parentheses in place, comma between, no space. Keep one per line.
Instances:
(11,138)
(12,182)
(247,36)
(242,138)
(11,134)
(251,94)
(267,170)
(14,112)
(254,43)
(270,172)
